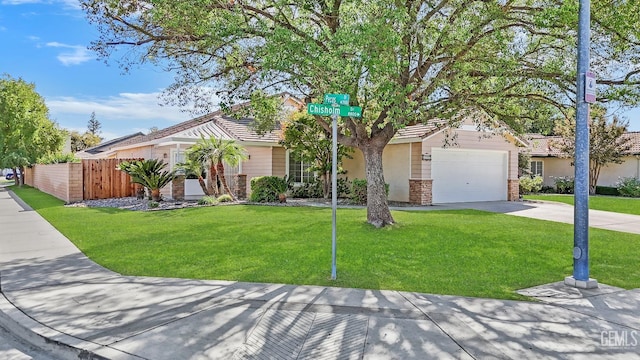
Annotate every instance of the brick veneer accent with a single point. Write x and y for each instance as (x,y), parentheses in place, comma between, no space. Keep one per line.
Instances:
(513,190)
(177,188)
(420,191)
(241,186)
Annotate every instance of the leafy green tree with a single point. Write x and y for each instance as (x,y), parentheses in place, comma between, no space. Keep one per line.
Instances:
(26,133)
(402,62)
(607,142)
(149,173)
(310,143)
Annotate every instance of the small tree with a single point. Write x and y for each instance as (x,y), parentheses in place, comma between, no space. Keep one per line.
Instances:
(148,173)
(310,143)
(215,152)
(93,126)
(26,132)
(607,143)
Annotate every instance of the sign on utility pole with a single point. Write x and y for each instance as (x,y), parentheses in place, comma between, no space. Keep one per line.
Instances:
(334,105)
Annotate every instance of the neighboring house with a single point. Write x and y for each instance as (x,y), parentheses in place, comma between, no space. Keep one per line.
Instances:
(99,150)
(549,162)
(477,165)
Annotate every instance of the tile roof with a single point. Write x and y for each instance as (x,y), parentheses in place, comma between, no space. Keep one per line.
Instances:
(420,130)
(105,146)
(540,145)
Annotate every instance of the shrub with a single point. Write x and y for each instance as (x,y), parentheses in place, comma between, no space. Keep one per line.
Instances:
(153,204)
(311,189)
(225,198)
(629,187)
(564,184)
(208,200)
(530,184)
(344,187)
(267,188)
(358,192)
(58,159)
(547,189)
(607,190)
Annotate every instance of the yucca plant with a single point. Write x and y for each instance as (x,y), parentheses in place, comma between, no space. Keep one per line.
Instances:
(149,173)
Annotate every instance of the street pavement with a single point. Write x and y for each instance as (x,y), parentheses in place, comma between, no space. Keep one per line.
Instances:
(58,299)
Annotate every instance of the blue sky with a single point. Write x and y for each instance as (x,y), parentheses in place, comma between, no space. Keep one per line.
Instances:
(45,42)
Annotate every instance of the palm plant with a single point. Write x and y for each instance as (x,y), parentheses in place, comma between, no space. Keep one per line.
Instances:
(216,152)
(193,166)
(148,173)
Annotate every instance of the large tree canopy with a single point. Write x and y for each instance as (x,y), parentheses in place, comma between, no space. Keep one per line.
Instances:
(402,62)
(26,133)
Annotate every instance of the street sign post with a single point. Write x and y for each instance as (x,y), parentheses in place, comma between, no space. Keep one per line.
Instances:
(334,105)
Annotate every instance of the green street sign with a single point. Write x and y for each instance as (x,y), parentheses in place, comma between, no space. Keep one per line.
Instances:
(330,110)
(340,99)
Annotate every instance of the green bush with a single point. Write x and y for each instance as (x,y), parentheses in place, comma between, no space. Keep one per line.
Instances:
(311,189)
(153,204)
(607,190)
(58,159)
(358,192)
(225,198)
(207,200)
(564,184)
(267,188)
(344,187)
(629,187)
(530,184)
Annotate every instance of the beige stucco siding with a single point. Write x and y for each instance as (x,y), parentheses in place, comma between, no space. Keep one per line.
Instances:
(610,174)
(354,166)
(553,167)
(145,152)
(396,160)
(465,139)
(278,161)
(416,160)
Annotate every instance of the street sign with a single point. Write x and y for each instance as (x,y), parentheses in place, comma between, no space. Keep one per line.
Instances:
(330,110)
(340,99)
(590,87)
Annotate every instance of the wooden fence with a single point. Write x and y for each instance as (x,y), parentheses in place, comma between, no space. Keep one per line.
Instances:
(102,179)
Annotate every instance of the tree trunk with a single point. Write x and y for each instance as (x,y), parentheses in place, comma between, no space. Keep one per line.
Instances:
(203,185)
(223,180)
(155,195)
(378,213)
(212,182)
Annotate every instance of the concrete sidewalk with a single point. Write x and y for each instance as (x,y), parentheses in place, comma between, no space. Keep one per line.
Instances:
(51,291)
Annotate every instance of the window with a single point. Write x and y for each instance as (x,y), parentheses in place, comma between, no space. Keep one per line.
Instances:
(299,171)
(536,168)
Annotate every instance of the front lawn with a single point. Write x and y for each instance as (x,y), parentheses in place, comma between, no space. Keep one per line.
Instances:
(470,253)
(623,205)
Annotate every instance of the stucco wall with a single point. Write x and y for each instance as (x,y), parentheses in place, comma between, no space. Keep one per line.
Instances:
(396,160)
(278,161)
(63,181)
(609,175)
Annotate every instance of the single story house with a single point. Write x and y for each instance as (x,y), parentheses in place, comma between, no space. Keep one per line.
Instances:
(479,165)
(97,151)
(549,163)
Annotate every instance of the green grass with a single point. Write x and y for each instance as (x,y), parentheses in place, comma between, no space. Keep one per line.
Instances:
(598,202)
(469,253)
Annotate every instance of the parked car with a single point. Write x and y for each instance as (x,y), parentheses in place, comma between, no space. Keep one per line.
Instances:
(10,175)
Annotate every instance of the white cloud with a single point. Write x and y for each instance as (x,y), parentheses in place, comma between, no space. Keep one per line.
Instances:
(76,56)
(119,115)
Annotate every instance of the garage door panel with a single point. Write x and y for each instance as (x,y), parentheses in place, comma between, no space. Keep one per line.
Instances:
(469,175)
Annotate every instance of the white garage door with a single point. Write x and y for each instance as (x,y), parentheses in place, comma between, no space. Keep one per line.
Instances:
(468,175)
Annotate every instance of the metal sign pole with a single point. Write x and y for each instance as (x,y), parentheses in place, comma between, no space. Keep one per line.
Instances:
(334,191)
(580,276)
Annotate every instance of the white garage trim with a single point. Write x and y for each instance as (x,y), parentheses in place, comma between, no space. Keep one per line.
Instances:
(464,175)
